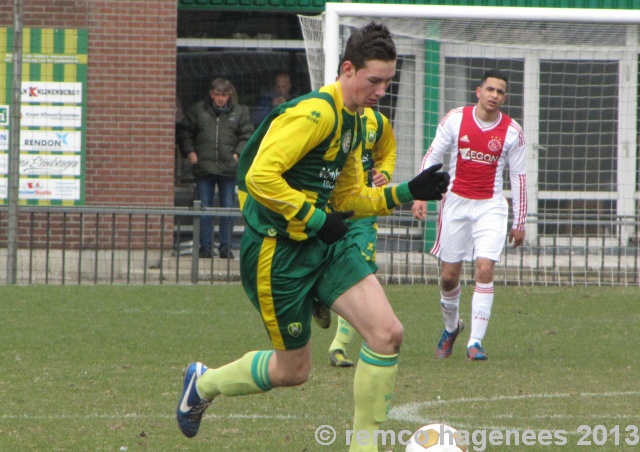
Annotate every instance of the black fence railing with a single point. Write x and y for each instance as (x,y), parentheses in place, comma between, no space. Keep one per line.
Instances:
(102,245)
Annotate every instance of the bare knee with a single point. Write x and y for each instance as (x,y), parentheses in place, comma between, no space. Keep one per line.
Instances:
(448,283)
(295,378)
(396,337)
(387,340)
(450,277)
(289,368)
(484,270)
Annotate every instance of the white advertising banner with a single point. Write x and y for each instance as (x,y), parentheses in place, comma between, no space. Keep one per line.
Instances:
(50,116)
(51,92)
(4,115)
(44,165)
(50,140)
(45,140)
(45,189)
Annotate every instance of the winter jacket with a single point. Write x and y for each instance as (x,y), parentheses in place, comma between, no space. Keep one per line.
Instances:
(215,137)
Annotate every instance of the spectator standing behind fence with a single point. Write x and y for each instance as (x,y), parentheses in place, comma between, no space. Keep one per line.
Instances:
(481,142)
(281,92)
(212,135)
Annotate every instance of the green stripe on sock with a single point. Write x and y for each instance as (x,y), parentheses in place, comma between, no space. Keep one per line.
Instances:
(376,359)
(260,370)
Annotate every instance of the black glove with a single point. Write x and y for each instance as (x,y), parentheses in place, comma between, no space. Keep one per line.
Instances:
(429,184)
(334,227)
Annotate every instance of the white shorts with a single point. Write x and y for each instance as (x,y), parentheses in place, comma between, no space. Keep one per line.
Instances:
(471,228)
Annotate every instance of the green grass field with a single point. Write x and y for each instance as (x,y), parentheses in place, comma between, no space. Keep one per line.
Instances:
(100,367)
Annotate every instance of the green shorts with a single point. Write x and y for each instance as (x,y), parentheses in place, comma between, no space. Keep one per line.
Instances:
(282,278)
(364,233)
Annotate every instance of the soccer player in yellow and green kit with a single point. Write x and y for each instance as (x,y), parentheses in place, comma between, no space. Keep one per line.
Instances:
(378,163)
(306,152)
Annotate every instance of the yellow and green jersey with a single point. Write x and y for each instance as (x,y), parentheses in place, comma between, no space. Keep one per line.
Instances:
(306,152)
(379,144)
(379,151)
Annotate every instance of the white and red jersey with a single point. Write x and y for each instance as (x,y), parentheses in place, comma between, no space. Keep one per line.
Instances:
(478,157)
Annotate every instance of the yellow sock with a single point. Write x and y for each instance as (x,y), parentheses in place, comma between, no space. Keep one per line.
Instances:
(373,387)
(344,334)
(247,375)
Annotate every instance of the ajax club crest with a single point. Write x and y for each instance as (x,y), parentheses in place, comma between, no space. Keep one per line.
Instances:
(494,145)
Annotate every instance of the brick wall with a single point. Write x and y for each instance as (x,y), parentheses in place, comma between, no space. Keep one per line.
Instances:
(131,86)
(131,94)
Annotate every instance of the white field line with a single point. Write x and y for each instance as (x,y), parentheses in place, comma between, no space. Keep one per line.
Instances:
(139,416)
(413,412)
(410,412)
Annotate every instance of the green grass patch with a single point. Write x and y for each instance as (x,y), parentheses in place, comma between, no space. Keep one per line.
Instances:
(100,368)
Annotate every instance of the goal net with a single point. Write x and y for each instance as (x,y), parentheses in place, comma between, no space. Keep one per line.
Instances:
(573,86)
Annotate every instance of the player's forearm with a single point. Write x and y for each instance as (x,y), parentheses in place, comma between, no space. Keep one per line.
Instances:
(519,200)
(370,201)
(387,167)
(384,157)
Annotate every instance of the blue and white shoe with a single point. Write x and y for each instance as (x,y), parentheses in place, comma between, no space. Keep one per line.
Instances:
(191,406)
(445,346)
(475,352)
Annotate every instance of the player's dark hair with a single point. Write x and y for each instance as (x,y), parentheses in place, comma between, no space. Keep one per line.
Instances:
(494,73)
(371,42)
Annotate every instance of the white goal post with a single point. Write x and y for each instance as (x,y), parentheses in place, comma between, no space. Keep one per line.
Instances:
(574,77)
(334,11)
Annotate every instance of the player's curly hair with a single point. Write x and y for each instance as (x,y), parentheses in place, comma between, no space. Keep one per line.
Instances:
(371,42)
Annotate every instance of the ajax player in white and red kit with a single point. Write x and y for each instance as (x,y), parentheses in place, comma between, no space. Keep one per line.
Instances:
(481,142)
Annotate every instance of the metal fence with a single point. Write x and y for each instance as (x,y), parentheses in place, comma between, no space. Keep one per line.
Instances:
(71,245)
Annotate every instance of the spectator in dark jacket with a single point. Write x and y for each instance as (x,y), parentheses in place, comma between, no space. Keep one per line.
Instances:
(281,91)
(212,135)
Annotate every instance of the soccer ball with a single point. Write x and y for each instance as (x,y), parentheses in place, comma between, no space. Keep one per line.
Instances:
(436,438)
